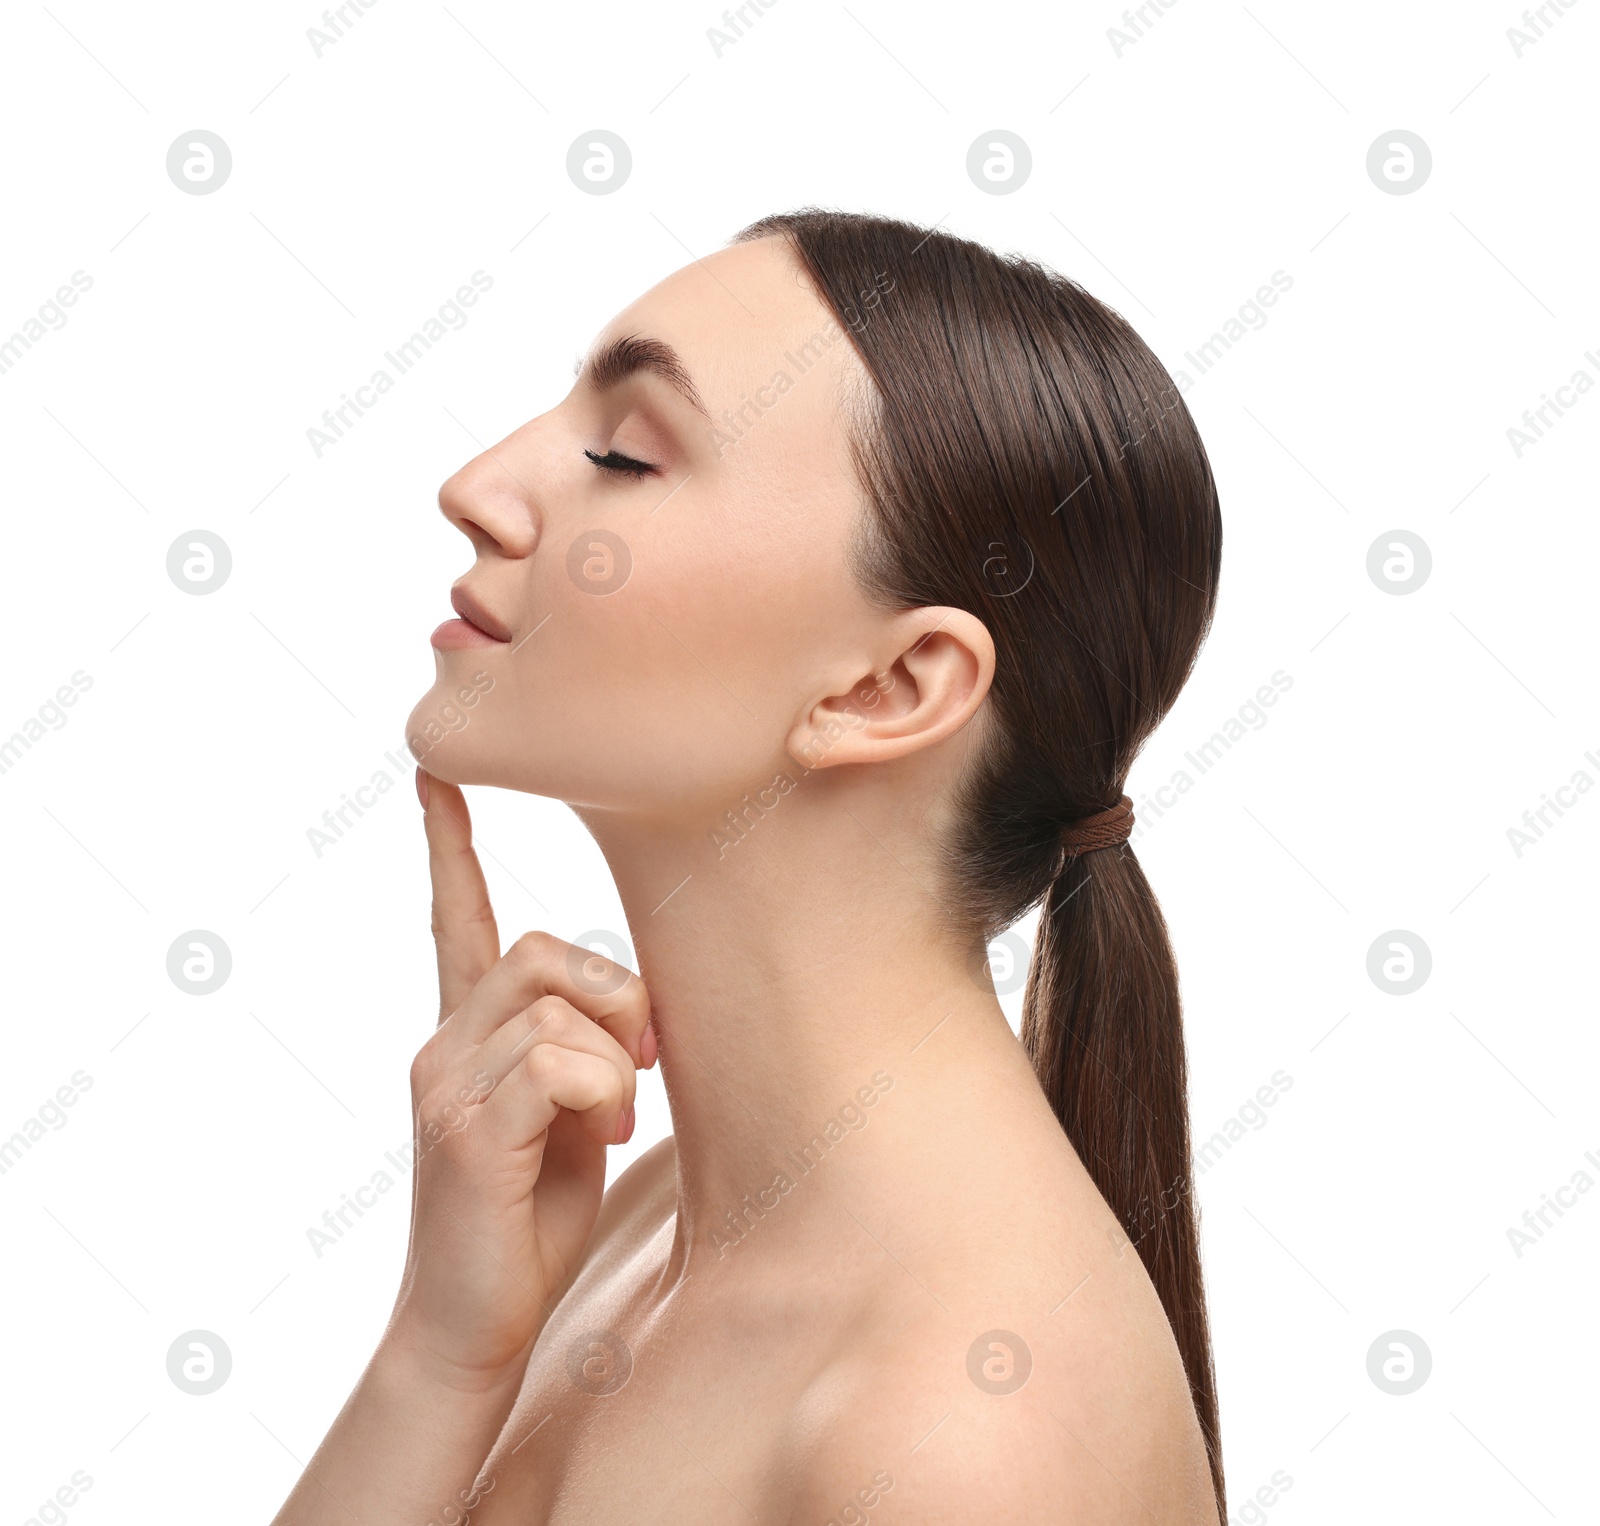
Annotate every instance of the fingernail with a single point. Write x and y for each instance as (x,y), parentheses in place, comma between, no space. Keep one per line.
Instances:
(648,1048)
(422,788)
(625,1127)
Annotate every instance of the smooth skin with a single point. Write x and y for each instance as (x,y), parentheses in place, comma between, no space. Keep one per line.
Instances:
(563,1354)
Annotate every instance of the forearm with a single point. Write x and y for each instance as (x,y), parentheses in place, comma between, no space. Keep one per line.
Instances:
(406,1447)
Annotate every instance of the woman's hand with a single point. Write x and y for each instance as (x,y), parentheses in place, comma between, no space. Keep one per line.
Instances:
(529,1076)
(515,1098)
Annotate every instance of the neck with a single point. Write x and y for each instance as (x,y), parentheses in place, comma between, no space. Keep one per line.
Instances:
(798,976)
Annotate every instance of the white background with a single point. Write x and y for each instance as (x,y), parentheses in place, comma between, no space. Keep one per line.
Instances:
(1172,175)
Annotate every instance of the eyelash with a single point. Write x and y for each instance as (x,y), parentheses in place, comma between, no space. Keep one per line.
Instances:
(625,466)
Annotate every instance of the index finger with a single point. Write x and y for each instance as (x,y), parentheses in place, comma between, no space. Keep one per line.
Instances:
(465,936)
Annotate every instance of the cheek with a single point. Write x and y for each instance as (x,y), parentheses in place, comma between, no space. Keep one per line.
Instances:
(668,660)
(737,624)
(759,579)
(662,691)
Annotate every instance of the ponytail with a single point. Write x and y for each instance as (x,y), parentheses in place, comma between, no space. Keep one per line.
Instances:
(1102,1024)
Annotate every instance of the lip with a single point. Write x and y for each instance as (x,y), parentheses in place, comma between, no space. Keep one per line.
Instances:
(455,634)
(474,627)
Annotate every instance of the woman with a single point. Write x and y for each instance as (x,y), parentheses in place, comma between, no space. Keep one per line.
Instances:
(836,599)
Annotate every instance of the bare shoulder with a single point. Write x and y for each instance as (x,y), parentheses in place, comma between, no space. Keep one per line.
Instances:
(639,1198)
(1032,1394)
(634,1207)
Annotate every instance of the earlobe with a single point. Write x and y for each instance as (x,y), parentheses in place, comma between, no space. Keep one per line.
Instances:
(941,666)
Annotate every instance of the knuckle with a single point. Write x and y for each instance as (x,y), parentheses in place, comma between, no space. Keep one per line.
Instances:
(437,1109)
(481,914)
(544,1064)
(424,1065)
(533,949)
(550,1017)
(477,1089)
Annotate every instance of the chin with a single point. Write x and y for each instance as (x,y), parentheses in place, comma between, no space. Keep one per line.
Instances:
(444,728)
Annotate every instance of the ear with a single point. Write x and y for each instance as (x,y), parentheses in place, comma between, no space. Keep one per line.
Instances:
(938,666)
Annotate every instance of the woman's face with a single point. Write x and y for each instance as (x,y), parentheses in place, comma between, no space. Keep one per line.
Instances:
(651,640)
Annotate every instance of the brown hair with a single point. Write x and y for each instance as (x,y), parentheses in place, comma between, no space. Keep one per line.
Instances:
(1028,459)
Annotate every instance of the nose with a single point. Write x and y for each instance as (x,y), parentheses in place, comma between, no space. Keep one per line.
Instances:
(491,505)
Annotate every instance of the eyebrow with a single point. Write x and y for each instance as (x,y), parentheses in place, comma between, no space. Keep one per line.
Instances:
(634,354)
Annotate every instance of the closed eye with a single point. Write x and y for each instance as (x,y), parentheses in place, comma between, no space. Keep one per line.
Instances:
(615,461)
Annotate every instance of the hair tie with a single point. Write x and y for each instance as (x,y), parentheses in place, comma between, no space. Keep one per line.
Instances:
(1105,829)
